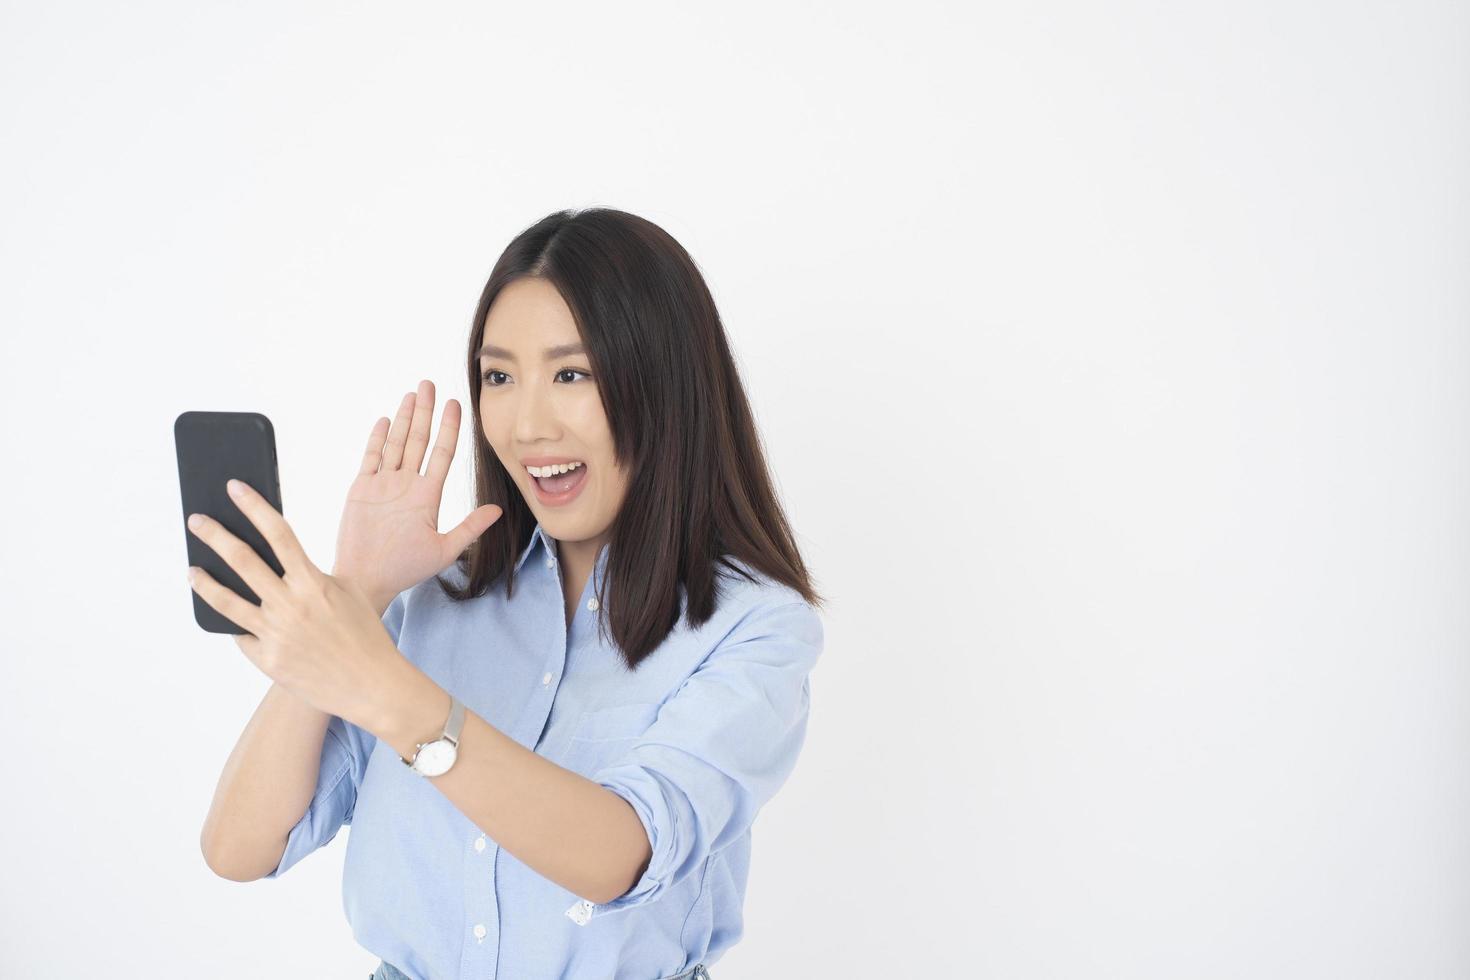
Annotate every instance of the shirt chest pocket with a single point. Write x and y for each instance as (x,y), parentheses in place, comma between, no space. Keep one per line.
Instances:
(603,734)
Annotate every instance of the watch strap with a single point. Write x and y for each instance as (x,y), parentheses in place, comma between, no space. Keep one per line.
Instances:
(452,727)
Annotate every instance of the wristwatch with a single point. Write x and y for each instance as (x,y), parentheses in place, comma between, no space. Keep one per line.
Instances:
(434,758)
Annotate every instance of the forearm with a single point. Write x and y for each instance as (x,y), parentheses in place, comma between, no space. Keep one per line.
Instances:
(565,827)
(265,787)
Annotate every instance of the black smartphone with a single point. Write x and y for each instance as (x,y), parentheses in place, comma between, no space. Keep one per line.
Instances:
(214,447)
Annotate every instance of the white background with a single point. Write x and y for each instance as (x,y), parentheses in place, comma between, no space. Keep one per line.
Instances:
(1112,362)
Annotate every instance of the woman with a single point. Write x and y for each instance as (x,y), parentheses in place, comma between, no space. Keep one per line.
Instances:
(552,727)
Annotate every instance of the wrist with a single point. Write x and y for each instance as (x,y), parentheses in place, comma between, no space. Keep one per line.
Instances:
(416,712)
(380,602)
(375,596)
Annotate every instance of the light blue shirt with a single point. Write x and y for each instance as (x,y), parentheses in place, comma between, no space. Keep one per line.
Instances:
(696,740)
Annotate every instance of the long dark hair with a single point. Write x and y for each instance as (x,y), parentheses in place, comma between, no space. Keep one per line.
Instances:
(699,492)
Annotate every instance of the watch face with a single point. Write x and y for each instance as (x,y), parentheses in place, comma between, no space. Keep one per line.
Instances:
(435,758)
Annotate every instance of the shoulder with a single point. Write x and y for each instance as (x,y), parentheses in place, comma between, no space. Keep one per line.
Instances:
(416,597)
(754,604)
(742,586)
(425,604)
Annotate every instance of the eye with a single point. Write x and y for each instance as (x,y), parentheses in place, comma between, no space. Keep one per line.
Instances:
(487,377)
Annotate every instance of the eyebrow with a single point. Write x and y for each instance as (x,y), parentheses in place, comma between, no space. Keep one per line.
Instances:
(550,354)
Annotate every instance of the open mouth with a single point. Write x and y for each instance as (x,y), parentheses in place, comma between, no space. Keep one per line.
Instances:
(560,487)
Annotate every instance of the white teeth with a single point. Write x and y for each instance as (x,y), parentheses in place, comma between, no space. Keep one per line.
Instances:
(552,470)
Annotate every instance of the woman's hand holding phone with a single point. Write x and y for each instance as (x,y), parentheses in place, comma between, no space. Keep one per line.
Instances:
(389,537)
(316,635)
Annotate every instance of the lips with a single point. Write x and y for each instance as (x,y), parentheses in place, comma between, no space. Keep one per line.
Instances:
(561,488)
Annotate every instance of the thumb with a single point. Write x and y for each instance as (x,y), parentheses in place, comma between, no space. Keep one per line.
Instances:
(457,539)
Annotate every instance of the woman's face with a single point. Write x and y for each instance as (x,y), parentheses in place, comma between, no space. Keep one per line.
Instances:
(540,403)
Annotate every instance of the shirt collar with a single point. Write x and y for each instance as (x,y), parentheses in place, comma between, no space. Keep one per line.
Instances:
(536,535)
(548,543)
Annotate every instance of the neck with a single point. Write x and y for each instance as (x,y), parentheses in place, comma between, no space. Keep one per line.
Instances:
(578,558)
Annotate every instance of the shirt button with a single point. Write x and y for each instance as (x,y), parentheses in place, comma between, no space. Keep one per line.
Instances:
(480,844)
(592,604)
(551,563)
(479,932)
(545,679)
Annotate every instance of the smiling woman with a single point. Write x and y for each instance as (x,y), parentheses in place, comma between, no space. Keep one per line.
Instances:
(540,412)
(597,340)
(558,777)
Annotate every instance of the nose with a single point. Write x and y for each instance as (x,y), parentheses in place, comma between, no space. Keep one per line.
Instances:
(535,416)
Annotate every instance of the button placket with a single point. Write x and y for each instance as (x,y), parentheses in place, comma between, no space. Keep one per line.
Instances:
(480,908)
(480,902)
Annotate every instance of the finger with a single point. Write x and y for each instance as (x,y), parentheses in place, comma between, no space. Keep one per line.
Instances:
(443,453)
(418,432)
(398,435)
(277,533)
(261,578)
(458,539)
(228,603)
(372,456)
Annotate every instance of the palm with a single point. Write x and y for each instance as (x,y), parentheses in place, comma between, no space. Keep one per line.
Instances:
(389,536)
(390,527)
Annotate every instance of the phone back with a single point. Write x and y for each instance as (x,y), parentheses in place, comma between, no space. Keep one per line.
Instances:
(214,447)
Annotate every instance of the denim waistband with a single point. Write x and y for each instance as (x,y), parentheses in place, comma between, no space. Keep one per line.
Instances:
(387,971)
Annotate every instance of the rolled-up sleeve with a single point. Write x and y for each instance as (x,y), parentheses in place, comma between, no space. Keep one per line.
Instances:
(345,752)
(721,746)
(338,776)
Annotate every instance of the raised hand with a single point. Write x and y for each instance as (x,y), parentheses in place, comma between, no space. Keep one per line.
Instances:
(389,536)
